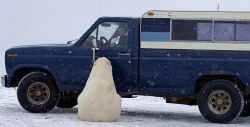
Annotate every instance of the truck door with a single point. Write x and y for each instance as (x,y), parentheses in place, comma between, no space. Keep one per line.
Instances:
(113,38)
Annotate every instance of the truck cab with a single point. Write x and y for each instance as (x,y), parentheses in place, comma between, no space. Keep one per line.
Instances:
(68,65)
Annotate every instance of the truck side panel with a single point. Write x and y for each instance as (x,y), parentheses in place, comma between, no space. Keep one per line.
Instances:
(166,71)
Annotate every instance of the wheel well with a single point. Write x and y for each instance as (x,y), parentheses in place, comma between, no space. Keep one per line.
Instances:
(20,73)
(207,78)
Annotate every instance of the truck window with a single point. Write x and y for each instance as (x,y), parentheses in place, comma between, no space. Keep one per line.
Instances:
(200,30)
(242,31)
(224,31)
(155,29)
(108,35)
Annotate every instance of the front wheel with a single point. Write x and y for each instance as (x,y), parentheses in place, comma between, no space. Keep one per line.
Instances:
(220,101)
(37,93)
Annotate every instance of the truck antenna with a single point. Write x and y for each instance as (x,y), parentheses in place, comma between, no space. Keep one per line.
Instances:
(100,5)
(218,7)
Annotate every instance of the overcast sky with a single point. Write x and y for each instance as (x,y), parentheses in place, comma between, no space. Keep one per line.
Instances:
(56,21)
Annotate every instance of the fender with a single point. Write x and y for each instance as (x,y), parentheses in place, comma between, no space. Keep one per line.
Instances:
(36,66)
(241,77)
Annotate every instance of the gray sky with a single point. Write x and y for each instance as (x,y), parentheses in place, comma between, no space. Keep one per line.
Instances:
(56,21)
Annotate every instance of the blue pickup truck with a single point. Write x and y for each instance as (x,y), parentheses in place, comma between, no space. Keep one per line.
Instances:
(193,58)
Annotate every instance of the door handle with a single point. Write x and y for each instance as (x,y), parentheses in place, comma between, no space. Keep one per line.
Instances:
(124,54)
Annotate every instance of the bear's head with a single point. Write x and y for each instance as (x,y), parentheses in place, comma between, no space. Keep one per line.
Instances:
(102,70)
(103,61)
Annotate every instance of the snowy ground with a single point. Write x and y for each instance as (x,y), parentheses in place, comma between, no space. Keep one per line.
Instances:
(141,111)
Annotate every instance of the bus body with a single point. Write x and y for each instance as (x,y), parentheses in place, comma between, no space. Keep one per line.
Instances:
(187,57)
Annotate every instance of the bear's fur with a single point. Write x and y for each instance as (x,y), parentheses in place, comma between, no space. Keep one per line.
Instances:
(99,101)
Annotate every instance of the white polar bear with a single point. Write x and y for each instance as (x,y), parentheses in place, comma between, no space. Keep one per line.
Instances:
(99,101)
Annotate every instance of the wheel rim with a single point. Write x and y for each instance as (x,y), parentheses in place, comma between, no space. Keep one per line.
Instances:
(219,102)
(38,93)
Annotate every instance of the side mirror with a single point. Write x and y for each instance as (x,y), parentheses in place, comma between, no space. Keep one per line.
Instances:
(94,49)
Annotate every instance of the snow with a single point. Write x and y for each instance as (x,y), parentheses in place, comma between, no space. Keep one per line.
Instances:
(142,111)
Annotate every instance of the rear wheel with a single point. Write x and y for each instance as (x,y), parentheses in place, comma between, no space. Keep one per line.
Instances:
(220,101)
(246,109)
(37,93)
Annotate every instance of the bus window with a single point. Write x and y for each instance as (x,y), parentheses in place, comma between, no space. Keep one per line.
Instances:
(200,30)
(155,29)
(224,31)
(243,31)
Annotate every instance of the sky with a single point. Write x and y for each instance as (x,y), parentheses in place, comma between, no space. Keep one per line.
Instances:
(25,22)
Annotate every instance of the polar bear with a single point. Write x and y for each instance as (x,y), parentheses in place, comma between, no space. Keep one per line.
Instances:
(99,101)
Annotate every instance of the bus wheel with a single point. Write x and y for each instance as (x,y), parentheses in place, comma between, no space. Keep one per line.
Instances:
(37,93)
(220,101)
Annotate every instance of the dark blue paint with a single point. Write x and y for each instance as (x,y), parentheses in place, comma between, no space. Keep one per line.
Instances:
(176,71)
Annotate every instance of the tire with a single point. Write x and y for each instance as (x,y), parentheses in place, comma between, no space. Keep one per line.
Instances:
(37,93)
(220,101)
(246,110)
(67,100)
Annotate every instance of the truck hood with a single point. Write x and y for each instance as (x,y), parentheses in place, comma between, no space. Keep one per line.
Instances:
(42,45)
(43,49)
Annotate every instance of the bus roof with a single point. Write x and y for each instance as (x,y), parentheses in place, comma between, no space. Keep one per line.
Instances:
(221,15)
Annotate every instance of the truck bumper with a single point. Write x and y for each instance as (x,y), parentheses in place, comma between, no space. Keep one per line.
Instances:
(4,81)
